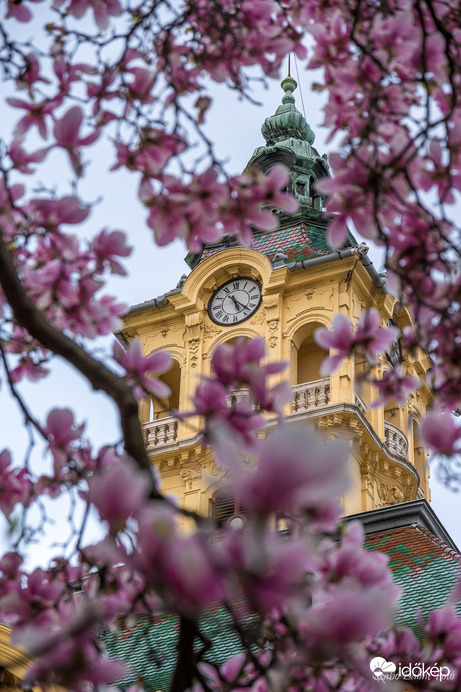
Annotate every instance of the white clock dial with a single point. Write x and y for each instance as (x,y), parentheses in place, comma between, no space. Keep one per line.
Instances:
(235,301)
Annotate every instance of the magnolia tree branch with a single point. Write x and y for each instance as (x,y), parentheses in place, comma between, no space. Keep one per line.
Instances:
(185,664)
(98,375)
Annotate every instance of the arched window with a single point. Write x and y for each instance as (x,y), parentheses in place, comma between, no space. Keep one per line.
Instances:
(307,355)
(310,357)
(154,409)
(310,389)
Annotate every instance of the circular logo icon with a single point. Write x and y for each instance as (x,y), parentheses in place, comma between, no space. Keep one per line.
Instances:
(380,667)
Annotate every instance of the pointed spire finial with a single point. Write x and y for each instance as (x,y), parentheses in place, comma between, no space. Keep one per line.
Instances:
(288,85)
(287,122)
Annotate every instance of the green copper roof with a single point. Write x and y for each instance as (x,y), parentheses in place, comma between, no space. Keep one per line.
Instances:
(288,121)
(149,646)
(422,565)
(289,141)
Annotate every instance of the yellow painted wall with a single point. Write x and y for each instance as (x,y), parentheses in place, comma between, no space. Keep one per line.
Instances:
(293,305)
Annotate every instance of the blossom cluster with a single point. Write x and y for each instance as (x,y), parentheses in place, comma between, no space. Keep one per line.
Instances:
(227,418)
(204,209)
(55,612)
(392,80)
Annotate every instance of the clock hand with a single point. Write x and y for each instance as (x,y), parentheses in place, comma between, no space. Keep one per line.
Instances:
(237,303)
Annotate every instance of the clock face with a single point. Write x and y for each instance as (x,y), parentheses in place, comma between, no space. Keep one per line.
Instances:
(235,301)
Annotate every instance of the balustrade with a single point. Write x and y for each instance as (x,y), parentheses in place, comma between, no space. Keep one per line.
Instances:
(310,395)
(160,432)
(395,440)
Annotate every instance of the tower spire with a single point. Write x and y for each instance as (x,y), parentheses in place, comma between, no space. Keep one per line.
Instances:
(287,123)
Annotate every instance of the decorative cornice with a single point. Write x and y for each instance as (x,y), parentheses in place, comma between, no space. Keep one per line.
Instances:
(413,513)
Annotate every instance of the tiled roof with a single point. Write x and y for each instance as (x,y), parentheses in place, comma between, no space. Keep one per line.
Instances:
(299,242)
(149,646)
(423,566)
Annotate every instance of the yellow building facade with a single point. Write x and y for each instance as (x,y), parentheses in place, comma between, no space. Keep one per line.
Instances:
(282,288)
(14,664)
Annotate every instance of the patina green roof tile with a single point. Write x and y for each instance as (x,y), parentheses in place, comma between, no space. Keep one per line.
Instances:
(423,566)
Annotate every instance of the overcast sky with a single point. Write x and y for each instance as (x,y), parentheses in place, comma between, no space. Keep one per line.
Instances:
(235,127)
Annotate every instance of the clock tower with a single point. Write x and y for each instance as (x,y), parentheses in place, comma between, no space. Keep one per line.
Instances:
(283,287)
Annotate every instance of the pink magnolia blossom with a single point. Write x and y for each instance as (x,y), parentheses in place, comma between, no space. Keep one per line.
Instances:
(91,318)
(349,201)
(66,132)
(19,11)
(101,10)
(348,614)
(394,386)
(31,73)
(202,210)
(32,600)
(68,73)
(179,568)
(155,149)
(106,246)
(62,432)
(240,363)
(437,174)
(441,433)
(249,193)
(139,368)
(228,673)
(36,115)
(22,160)
(210,398)
(444,627)
(268,570)
(118,490)
(236,366)
(369,339)
(55,652)
(225,420)
(350,561)
(50,213)
(15,484)
(310,474)
(28,368)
